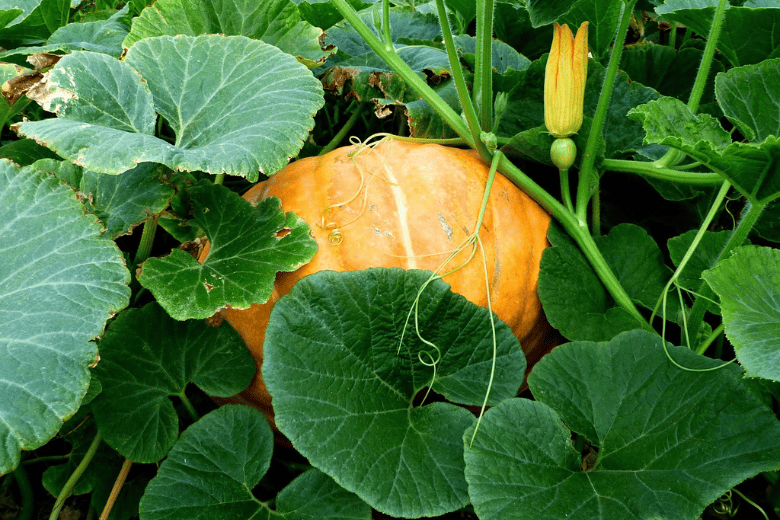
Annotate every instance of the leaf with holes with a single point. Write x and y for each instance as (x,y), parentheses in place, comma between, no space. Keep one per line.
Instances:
(248,246)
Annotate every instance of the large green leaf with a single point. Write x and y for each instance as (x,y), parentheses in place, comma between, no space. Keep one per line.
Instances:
(59,283)
(667,441)
(754,169)
(344,365)
(211,471)
(145,357)
(100,36)
(748,284)
(602,17)
(40,18)
(236,106)
(748,34)
(276,22)
(749,97)
(248,246)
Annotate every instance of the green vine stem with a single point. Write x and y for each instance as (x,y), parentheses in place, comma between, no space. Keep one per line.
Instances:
(569,222)
(580,235)
(188,406)
(74,478)
(587,170)
(565,191)
(460,83)
(26,493)
(715,206)
(672,156)
(483,73)
(356,109)
(749,217)
(147,239)
(648,169)
(387,34)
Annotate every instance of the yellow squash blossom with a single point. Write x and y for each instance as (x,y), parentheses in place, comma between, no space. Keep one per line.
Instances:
(564,81)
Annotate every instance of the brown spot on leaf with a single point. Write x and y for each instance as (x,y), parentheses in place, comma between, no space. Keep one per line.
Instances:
(283,232)
(215,321)
(208,286)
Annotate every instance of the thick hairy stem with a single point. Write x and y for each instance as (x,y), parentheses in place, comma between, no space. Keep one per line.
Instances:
(589,155)
(483,74)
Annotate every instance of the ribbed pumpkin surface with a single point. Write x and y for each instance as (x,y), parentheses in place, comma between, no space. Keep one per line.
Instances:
(415,201)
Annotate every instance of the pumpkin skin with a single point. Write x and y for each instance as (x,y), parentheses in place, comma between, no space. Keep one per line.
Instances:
(420,199)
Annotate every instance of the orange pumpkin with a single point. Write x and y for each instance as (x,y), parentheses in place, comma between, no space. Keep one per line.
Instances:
(403,204)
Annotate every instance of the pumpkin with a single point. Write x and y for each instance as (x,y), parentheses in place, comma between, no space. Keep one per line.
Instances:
(404,204)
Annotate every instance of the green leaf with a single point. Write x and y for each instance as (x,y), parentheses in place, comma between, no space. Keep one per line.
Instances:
(749,98)
(39,20)
(637,262)
(545,12)
(573,297)
(25,152)
(59,284)
(103,36)
(669,441)
(424,121)
(670,72)
(753,169)
(212,469)
(747,35)
(276,22)
(323,14)
(503,56)
(215,92)
(145,357)
(602,17)
(768,226)
(248,247)
(512,24)
(344,382)
(748,284)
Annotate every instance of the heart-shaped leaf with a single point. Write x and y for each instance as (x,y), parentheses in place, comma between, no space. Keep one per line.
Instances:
(145,357)
(236,106)
(59,283)
(248,246)
(748,284)
(211,471)
(277,22)
(343,363)
(666,442)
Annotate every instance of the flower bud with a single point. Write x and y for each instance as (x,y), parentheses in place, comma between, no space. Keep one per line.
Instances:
(564,81)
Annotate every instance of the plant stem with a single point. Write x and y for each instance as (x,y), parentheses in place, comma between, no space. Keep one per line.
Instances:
(118,483)
(402,69)
(749,217)
(26,493)
(702,348)
(579,232)
(147,239)
(483,73)
(74,478)
(649,169)
(724,190)
(596,213)
(460,83)
(597,127)
(672,156)
(565,191)
(188,406)
(706,60)
(673,35)
(386,24)
(357,109)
